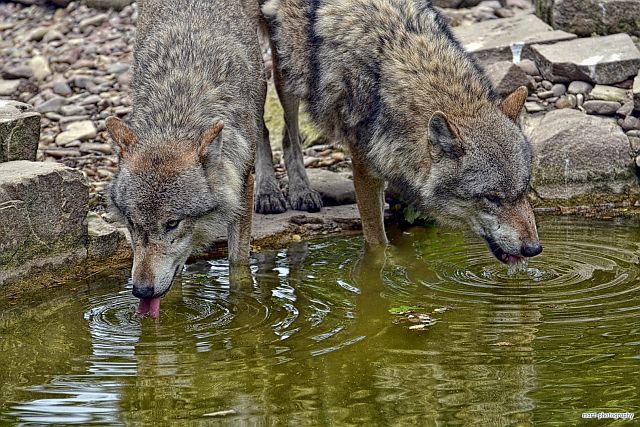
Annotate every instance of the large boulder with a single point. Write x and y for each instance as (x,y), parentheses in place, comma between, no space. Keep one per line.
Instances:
(604,60)
(334,188)
(586,17)
(19,131)
(577,155)
(43,209)
(491,41)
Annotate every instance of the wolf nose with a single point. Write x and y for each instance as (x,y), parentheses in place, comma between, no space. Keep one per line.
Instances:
(143,292)
(531,249)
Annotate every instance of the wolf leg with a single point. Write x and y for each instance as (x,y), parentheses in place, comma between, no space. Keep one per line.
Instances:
(239,232)
(301,196)
(370,198)
(268,198)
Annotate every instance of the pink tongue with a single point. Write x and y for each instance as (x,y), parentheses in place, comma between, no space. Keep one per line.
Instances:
(149,307)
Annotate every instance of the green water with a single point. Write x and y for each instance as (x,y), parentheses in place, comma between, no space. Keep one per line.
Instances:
(309,340)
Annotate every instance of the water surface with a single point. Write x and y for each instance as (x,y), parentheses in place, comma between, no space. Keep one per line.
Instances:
(308,339)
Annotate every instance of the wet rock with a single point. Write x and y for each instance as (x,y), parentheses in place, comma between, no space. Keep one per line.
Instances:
(568,101)
(491,41)
(604,60)
(77,131)
(506,77)
(40,67)
(587,17)
(43,206)
(608,93)
(577,154)
(334,188)
(19,131)
(577,87)
(605,108)
(8,87)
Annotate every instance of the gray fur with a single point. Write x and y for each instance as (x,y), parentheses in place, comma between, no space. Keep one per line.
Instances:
(388,78)
(196,63)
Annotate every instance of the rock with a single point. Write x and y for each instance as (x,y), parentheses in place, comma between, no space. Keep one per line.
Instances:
(529,67)
(8,87)
(545,94)
(576,155)
(577,87)
(40,67)
(43,206)
(491,41)
(118,68)
(62,88)
(16,72)
(568,101)
(19,131)
(608,93)
(636,92)
(558,89)
(587,17)
(506,77)
(37,34)
(604,60)
(72,110)
(626,109)
(53,35)
(52,105)
(580,99)
(533,107)
(94,21)
(546,84)
(108,4)
(90,100)
(630,123)
(104,238)
(605,108)
(88,147)
(77,131)
(334,188)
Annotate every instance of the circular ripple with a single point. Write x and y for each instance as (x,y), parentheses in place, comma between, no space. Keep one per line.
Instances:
(582,275)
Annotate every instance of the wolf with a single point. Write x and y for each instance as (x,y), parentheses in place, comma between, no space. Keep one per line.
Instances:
(185,158)
(389,79)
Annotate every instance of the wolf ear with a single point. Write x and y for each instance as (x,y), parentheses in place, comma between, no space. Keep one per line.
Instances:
(444,137)
(121,134)
(211,138)
(512,104)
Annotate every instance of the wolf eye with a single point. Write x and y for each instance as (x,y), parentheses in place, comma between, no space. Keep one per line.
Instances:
(493,199)
(173,224)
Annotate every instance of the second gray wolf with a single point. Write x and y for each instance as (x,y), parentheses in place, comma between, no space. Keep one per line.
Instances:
(186,155)
(388,78)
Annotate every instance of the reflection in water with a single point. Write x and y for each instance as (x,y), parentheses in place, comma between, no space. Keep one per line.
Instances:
(305,337)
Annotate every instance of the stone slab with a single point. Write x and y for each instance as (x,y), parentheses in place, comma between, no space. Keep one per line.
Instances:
(334,188)
(587,17)
(43,209)
(506,77)
(19,131)
(578,155)
(491,41)
(603,60)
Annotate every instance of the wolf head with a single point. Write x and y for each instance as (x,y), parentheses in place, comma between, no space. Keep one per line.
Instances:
(480,173)
(169,194)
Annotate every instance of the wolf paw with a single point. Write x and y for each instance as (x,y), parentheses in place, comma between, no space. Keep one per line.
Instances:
(272,202)
(305,200)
